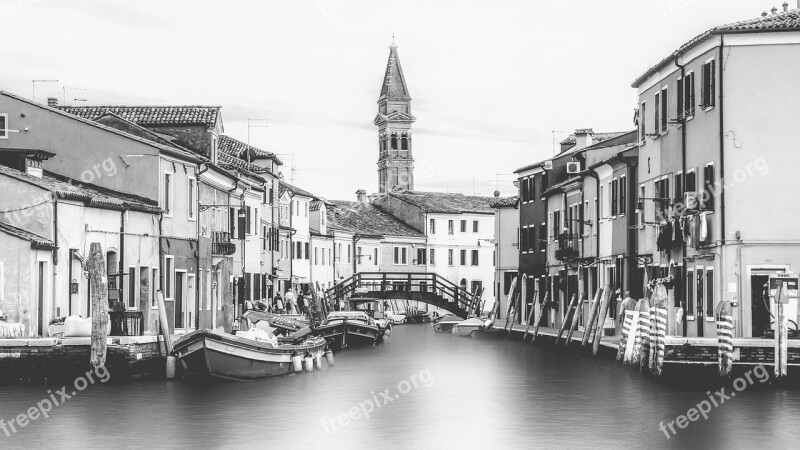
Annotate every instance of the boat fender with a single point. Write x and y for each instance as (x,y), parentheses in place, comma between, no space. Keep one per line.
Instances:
(329,357)
(318,361)
(488,324)
(171,367)
(309,363)
(387,332)
(297,363)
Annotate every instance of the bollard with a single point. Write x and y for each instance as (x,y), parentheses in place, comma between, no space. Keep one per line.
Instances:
(329,357)
(297,363)
(171,367)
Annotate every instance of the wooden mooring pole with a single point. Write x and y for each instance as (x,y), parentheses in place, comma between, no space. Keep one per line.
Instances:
(98,287)
(530,316)
(565,320)
(781,335)
(601,318)
(592,317)
(541,315)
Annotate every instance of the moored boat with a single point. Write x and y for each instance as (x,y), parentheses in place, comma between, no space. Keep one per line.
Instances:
(215,355)
(349,329)
(466,327)
(446,323)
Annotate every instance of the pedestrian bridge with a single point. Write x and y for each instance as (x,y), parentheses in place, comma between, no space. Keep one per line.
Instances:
(422,287)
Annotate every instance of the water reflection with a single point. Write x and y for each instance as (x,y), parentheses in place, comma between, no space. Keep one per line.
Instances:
(483,392)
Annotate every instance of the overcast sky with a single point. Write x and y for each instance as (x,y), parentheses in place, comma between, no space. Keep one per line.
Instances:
(490,80)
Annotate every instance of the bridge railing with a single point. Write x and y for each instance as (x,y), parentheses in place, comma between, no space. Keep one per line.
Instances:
(382,282)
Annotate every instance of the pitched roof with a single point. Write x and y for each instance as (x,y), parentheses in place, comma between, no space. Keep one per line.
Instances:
(294,190)
(784,21)
(507,202)
(443,202)
(240,149)
(91,195)
(394,83)
(596,137)
(37,242)
(120,123)
(365,219)
(152,115)
(606,140)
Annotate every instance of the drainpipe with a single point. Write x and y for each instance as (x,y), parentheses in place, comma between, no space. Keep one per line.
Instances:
(683,189)
(596,177)
(55,258)
(722,133)
(197,283)
(121,264)
(356,238)
(160,258)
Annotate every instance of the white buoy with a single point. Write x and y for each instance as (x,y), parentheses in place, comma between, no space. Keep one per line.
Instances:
(318,361)
(387,332)
(297,363)
(171,360)
(309,364)
(329,357)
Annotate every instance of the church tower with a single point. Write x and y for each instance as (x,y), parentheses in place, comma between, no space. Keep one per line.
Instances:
(394,120)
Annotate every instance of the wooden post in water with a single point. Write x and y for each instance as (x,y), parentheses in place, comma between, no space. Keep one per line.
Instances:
(162,317)
(576,317)
(781,335)
(601,318)
(530,316)
(98,287)
(592,317)
(541,315)
(565,320)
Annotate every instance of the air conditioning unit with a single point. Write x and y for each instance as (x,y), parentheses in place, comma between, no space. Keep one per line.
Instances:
(573,167)
(548,165)
(690,201)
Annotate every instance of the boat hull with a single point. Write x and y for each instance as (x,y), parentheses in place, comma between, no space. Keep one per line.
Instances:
(205,354)
(343,334)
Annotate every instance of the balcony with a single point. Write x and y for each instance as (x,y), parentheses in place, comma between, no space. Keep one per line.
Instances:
(567,247)
(221,244)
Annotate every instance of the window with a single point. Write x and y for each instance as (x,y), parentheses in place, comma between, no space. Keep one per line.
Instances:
(132,287)
(450,227)
(678,188)
(643,122)
(524,189)
(601,203)
(154,287)
(3,126)
(264,241)
(691,181)
(192,188)
(477,286)
(422,256)
(400,256)
(523,238)
(433,257)
(375,259)
(432,226)
(394,142)
(614,194)
(544,183)
(463,226)
(664,111)
(710,294)
(450,257)
(710,191)
(330,260)
(167,203)
(348,253)
(298,252)
(323,256)
(316,256)
(707,88)
(248,222)
(700,285)
(306,252)
(657,112)
(474,257)
(685,107)
(623,195)
(404,143)
(474,226)
(542,237)
(662,193)
(463,259)
(556,224)
(168,277)
(532,189)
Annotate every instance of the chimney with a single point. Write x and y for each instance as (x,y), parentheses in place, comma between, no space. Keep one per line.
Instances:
(764,14)
(583,138)
(361,196)
(52,102)
(33,167)
(785,6)
(774,10)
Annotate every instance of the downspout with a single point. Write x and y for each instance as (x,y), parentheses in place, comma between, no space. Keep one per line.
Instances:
(197,282)
(683,189)
(220,295)
(55,259)
(121,265)
(722,133)
(596,177)
(291,245)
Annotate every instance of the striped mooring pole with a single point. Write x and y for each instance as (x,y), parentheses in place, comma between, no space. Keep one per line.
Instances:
(725,338)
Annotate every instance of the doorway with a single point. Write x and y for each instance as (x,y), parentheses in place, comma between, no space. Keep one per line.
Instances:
(761,315)
(179,300)
(190,313)
(40,296)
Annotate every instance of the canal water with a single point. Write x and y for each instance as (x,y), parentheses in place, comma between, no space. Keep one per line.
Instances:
(425,390)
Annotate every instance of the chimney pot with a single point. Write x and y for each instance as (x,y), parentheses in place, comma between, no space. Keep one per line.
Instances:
(52,102)
(774,10)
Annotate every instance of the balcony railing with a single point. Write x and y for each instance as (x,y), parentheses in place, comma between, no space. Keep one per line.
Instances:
(567,247)
(221,244)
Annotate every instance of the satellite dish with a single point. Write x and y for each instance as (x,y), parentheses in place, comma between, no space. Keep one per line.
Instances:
(497,194)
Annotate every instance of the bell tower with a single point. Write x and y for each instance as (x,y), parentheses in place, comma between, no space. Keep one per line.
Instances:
(394,120)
